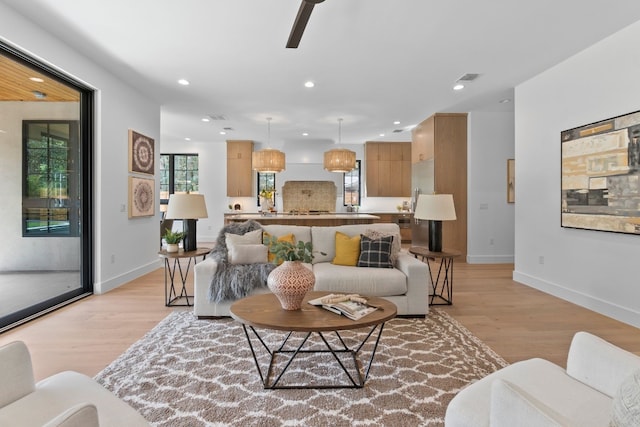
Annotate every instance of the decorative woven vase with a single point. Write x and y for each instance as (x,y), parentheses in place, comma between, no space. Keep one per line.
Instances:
(290,282)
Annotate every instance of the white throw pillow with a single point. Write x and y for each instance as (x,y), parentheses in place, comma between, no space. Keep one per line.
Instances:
(248,254)
(234,240)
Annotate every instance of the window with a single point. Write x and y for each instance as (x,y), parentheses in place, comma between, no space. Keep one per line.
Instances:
(178,174)
(50,186)
(267,182)
(351,185)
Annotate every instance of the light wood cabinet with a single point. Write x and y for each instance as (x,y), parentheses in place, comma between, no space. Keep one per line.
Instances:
(439,146)
(388,169)
(239,171)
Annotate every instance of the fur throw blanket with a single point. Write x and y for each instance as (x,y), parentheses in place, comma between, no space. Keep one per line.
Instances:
(231,282)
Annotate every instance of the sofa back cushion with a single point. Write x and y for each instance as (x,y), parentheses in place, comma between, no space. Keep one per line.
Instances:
(324,238)
(300,232)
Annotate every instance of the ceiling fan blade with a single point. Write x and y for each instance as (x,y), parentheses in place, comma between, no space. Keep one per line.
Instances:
(306,7)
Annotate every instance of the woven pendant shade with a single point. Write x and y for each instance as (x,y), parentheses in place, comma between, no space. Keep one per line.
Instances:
(340,160)
(268,160)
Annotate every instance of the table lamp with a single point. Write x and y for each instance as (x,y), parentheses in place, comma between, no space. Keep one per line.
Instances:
(435,208)
(188,207)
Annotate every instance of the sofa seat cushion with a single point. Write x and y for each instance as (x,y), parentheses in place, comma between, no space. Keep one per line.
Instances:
(378,282)
(568,398)
(57,393)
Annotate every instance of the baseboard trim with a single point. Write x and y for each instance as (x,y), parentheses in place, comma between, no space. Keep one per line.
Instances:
(108,285)
(490,259)
(606,308)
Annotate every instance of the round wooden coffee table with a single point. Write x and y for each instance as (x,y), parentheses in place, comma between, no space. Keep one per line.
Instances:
(263,311)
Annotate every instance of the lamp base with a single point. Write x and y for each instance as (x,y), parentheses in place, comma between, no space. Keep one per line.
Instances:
(435,236)
(189,241)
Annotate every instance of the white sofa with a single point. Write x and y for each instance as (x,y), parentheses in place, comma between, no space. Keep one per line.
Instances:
(539,393)
(407,285)
(68,399)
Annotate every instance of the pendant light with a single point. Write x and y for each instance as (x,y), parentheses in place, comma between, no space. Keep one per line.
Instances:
(340,159)
(268,160)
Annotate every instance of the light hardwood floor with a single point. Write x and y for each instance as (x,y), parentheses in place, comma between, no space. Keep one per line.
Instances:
(518,322)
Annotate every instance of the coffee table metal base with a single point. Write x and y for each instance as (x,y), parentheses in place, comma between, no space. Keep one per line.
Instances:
(354,379)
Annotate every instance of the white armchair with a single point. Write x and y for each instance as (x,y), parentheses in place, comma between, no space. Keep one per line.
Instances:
(539,393)
(67,399)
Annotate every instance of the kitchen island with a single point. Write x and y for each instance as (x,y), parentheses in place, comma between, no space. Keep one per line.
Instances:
(330,219)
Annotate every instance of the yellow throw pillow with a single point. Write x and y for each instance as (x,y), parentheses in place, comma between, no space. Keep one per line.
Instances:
(266,238)
(347,249)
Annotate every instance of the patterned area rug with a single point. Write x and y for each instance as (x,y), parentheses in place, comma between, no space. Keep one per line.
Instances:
(190,372)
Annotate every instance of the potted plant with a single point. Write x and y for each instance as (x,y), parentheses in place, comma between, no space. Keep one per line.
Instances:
(291,280)
(287,251)
(173,239)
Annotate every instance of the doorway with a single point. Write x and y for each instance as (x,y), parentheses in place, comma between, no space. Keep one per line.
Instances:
(45,171)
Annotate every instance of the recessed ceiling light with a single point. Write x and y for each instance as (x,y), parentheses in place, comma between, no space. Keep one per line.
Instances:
(505,101)
(187,139)
(309,84)
(222,132)
(305,133)
(458,86)
(397,122)
(206,119)
(382,134)
(183,82)
(36,79)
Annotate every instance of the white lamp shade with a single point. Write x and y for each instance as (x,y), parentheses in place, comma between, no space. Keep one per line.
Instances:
(340,160)
(186,206)
(268,160)
(437,207)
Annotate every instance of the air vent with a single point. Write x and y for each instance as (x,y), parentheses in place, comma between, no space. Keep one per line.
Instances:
(397,130)
(228,128)
(217,117)
(469,77)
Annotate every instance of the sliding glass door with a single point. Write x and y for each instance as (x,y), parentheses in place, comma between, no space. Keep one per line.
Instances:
(45,171)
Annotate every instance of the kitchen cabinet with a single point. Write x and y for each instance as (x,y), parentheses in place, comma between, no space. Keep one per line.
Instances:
(388,169)
(439,165)
(239,171)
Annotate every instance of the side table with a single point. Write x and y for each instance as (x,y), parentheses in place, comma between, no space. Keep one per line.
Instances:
(170,293)
(444,279)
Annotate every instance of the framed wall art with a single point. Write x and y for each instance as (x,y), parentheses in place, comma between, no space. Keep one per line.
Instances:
(601,175)
(141,197)
(141,153)
(511,180)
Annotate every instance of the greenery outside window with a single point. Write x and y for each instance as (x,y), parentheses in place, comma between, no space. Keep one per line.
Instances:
(266,182)
(178,174)
(50,187)
(351,186)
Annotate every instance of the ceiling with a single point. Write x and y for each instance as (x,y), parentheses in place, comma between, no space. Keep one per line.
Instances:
(18,84)
(373,61)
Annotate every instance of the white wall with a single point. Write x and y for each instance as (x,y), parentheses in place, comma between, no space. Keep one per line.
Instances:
(594,269)
(490,220)
(124,249)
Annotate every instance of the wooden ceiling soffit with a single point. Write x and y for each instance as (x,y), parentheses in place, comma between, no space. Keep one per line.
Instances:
(15,84)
